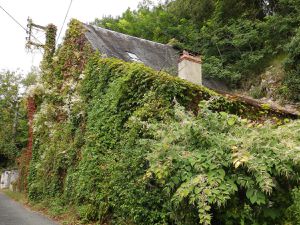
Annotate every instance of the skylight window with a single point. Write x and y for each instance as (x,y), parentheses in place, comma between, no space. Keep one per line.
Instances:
(134,57)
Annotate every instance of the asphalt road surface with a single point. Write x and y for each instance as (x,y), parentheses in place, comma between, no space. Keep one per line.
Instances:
(12,213)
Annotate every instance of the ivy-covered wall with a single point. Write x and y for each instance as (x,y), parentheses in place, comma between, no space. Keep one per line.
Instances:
(98,145)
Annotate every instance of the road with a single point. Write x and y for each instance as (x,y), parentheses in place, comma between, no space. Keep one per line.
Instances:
(12,213)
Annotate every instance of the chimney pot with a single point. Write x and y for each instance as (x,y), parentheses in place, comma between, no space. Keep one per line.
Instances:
(190,68)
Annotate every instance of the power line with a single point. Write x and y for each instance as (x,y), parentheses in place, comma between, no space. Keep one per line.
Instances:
(64,20)
(17,22)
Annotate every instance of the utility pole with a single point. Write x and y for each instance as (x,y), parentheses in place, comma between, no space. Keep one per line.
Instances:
(30,27)
(50,43)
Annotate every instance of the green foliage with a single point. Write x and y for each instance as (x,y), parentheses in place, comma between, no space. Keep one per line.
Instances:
(292,85)
(293,215)
(220,165)
(111,140)
(156,24)
(257,92)
(49,46)
(236,38)
(31,78)
(292,79)
(13,132)
(194,10)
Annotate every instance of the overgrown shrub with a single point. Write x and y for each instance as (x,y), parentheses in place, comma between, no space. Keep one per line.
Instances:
(226,169)
(293,212)
(292,78)
(257,92)
(133,158)
(113,142)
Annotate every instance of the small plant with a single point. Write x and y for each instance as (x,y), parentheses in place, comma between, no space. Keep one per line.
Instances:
(257,92)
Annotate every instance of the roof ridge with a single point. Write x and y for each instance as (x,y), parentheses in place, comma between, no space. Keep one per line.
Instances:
(126,35)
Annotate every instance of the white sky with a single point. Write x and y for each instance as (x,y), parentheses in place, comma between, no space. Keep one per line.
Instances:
(13,55)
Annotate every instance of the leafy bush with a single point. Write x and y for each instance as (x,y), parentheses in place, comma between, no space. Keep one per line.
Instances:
(113,142)
(292,84)
(224,168)
(292,79)
(293,212)
(13,123)
(257,92)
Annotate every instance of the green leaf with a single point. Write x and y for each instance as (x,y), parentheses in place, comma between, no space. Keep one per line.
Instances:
(197,190)
(256,196)
(231,121)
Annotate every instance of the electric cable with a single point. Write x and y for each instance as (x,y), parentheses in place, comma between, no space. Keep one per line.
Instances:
(17,22)
(64,20)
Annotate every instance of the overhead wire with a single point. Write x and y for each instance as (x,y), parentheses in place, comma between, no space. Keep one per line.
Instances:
(67,13)
(17,22)
(39,34)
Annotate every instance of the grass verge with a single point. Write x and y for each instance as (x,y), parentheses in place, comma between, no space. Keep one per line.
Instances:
(17,196)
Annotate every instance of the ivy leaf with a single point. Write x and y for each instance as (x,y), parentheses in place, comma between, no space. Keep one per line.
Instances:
(176,180)
(223,114)
(231,121)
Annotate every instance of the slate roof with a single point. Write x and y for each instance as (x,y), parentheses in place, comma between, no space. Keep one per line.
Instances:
(128,48)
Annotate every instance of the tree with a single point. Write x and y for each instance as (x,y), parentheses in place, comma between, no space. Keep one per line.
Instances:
(13,117)
(237,38)
(9,107)
(195,10)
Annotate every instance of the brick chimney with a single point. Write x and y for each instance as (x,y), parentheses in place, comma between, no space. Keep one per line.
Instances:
(190,68)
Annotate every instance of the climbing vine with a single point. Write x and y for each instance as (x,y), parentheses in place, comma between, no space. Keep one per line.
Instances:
(125,144)
(24,159)
(49,48)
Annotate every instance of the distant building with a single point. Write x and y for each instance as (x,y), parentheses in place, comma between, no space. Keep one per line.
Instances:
(8,178)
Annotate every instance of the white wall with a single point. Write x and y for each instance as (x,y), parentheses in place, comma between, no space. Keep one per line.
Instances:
(191,71)
(14,175)
(7,178)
